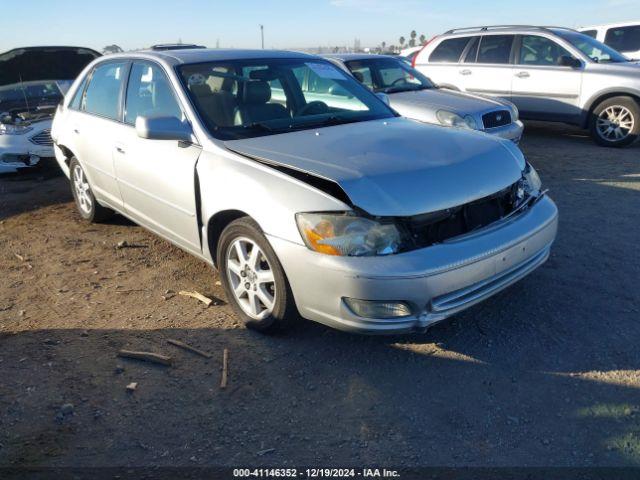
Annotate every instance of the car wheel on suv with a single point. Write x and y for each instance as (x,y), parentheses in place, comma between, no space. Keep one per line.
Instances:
(615,122)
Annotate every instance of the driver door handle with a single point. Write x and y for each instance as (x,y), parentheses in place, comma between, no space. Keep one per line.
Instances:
(466,71)
(523,75)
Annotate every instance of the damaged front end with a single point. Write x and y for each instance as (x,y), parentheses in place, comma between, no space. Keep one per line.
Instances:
(25,137)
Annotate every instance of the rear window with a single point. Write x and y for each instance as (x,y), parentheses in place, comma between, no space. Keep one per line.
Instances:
(449,51)
(103,93)
(624,39)
(495,49)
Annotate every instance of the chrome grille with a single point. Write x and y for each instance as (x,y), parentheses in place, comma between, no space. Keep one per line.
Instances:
(42,138)
(499,118)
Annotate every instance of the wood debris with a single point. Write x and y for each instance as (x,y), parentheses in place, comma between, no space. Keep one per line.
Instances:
(225,368)
(188,347)
(198,296)
(147,357)
(132,387)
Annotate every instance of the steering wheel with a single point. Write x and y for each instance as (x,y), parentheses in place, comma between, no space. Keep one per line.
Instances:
(398,80)
(314,108)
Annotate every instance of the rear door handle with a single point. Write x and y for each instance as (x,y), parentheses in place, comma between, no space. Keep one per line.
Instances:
(466,71)
(120,150)
(75,130)
(523,75)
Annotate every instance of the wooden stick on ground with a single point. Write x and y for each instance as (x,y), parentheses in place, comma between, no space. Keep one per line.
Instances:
(146,356)
(196,295)
(225,368)
(188,347)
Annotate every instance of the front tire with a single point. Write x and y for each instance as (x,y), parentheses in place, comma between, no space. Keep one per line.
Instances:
(253,278)
(90,210)
(615,122)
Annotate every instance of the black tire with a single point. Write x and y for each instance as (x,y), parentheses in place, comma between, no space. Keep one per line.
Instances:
(88,208)
(284,311)
(631,106)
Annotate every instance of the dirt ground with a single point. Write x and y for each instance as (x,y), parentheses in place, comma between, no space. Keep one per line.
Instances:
(547,373)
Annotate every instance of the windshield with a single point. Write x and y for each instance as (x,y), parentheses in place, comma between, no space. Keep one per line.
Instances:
(29,95)
(388,75)
(248,98)
(592,48)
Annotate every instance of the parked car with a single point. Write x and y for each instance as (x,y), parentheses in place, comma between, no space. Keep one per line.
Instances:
(409,53)
(33,80)
(624,37)
(551,74)
(306,200)
(413,95)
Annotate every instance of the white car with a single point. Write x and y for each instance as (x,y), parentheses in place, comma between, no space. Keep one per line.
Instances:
(624,37)
(33,81)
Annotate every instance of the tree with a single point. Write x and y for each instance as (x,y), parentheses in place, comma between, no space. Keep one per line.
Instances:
(383,44)
(423,39)
(412,42)
(112,49)
(401,40)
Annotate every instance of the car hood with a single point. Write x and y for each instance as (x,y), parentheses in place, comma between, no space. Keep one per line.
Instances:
(43,63)
(395,167)
(436,99)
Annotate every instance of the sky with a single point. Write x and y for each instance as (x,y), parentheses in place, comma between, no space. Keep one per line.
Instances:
(287,23)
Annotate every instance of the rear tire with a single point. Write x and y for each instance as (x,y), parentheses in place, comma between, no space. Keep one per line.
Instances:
(615,122)
(253,278)
(90,210)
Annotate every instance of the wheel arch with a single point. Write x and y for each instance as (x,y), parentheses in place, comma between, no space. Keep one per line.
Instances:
(216,225)
(600,97)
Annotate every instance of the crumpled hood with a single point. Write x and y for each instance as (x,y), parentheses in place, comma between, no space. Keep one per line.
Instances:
(450,100)
(395,167)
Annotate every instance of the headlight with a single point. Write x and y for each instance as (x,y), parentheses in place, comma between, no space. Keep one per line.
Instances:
(532,182)
(515,114)
(346,234)
(454,120)
(8,129)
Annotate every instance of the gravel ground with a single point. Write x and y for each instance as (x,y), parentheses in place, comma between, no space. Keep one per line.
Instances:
(545,373)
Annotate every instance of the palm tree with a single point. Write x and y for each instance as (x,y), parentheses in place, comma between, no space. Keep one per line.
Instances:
(383,44)
(401,40)
(423,39)
(413,35)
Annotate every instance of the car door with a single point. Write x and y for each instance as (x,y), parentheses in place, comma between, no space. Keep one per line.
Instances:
(94,124)
(156,177)
(486,65)
(542,87)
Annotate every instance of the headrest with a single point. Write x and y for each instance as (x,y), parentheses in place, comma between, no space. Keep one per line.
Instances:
(201,90)
(256,92)
(359,76)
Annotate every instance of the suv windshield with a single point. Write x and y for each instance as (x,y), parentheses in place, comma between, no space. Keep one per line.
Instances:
(388,75)
(592,48)
(248,98)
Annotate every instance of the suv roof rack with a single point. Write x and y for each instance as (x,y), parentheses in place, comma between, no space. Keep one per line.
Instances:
(499,27)
(175,46)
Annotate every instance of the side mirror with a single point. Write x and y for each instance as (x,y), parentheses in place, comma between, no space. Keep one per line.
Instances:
(384,97)
(163,128)
(567,61)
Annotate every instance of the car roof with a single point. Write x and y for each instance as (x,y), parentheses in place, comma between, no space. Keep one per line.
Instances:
(346,57)
(201,55)
(501,29)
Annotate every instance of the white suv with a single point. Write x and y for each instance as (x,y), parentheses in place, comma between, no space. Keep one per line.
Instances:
(551,74)
(624,37)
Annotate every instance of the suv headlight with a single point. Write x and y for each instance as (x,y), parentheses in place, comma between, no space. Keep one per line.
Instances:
(532,182)
(9,129)
(346,234)
(452,119)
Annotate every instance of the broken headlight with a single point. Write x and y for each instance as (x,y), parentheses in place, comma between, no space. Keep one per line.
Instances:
(532,183)
(8,129)
(346,234)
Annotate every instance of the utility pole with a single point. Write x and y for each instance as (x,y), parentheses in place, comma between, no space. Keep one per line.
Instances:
(262,35)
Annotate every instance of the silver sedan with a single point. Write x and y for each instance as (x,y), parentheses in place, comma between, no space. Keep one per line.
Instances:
(311,203)
(413,95)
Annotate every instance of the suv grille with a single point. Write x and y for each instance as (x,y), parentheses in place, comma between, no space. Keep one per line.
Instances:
(499,118)
(42,138)
(431,228)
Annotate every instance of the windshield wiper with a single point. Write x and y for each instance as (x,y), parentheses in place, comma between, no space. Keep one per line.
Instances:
(403,89)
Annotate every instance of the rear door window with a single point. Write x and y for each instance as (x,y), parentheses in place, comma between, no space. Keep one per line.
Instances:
(103,93)
(362,72)
(472,51)
(449,51)
(624,39)
(495,49)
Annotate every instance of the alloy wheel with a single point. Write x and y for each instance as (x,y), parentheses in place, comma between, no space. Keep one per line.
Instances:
(82,189)
(615,123)
(251,278)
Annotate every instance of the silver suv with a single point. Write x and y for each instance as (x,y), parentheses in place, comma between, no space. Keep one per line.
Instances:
(551,74)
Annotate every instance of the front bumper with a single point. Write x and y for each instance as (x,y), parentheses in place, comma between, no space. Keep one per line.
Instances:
(436,282)
(17,151)
(512,132)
